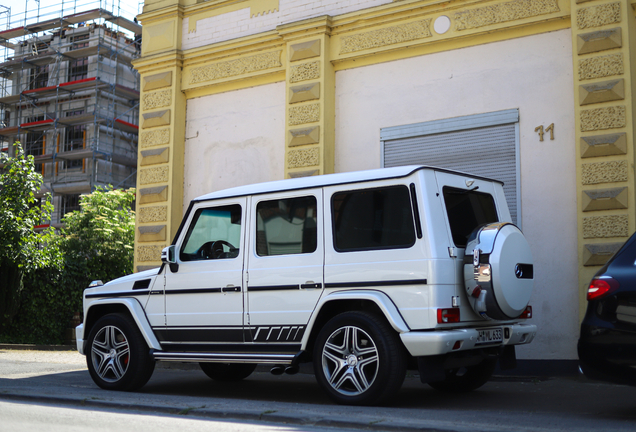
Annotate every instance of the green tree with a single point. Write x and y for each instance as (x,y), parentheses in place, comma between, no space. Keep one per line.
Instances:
(21,248)
(97,241)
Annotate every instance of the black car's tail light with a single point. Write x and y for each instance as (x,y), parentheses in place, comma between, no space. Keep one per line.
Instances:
(601,286)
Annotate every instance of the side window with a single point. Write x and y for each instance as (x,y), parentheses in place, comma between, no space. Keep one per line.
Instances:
(214,233)
(370,219)
(466,211)
(286,226)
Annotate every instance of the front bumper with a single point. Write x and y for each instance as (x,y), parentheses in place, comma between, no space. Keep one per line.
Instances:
(436,342)
(79,338)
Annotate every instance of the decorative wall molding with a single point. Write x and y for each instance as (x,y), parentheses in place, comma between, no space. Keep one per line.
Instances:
(503,12)
(298,137)
(153,194)
(304,50)
(605,91)
(155,156)
(153,82)
(149,253)
(154,137)
(153,175)
(603,118)
(601,67)
(304,72)
(304,114)
(156,118)
(604,172)
(152,214)
(604,199)
(596,16)
(303,158)
(599,40)
(605,226)
(603,145)
(150,233)
(386,36)
(158,99)
(304,93)
(236,67)
(599,253)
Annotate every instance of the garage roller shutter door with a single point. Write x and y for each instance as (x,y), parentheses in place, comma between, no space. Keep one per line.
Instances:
(489,151)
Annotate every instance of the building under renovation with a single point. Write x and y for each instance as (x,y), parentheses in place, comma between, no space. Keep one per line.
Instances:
(70,95)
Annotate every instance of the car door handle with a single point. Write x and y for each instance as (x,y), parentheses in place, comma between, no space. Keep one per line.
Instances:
(231,288)
(310,285)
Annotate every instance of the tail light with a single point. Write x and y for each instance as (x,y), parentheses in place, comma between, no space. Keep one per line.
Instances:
(450,315)
(601,286)
(527,313)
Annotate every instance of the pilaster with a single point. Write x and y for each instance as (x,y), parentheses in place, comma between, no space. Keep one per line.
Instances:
(603,35)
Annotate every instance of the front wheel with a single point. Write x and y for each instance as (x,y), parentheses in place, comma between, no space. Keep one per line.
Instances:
(118,357)
(466,379)
(359,359)
(227,372)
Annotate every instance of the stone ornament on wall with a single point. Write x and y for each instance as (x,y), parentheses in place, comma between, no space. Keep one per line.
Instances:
(156,81)
(156,118)
(304,93)
(152,233)
(304,114)
(603,118)
(153,194)
(152,214)
(606,91)
(154,138)
(158,37)
(603,145)
(155,156)
(154,175)
(599,41)
(149,253)
(239,66)
(601,66)
(158,99)
(304,50)
(604,199)
(303,158)
(304,72)
(604,172)
(386,36)
(298,137)
(598,254)
(503,12)
(605,226)
(596,16)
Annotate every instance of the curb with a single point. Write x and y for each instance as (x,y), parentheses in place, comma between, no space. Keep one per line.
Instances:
(30,347)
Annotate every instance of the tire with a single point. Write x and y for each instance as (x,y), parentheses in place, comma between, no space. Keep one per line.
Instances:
(227,372)
(359,359)
(117,355)
(466,379)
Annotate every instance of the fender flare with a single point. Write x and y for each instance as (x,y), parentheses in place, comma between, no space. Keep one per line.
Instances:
(138,314)
(383,301)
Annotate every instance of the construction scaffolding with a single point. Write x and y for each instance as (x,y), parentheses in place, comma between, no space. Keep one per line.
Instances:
(69,93)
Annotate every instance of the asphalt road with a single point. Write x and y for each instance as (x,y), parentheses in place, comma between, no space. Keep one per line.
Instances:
(510,404)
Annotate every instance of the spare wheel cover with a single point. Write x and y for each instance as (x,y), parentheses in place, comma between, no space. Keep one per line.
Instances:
(510,258)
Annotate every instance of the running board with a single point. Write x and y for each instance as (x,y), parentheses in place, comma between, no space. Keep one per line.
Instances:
(197,357)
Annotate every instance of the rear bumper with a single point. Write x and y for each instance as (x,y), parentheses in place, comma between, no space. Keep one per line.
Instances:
(428,343)
(608,354)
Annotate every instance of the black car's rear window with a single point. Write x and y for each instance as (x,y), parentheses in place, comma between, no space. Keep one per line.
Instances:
(466,211)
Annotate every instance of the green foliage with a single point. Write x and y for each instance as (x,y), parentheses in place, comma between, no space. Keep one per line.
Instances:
(96,243)
(20,245)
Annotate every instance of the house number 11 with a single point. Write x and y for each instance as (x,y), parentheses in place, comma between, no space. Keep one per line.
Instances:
(541,132)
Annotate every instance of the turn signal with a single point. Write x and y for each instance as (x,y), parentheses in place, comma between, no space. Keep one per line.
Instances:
(450,315)
(601,286)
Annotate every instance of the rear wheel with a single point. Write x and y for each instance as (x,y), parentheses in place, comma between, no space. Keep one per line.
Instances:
(466,379)
(359,359)
(227,372)
(118,357)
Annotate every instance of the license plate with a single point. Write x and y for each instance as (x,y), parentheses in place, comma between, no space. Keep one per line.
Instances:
(490,336)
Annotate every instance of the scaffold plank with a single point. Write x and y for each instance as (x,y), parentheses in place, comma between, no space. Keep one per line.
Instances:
(126,23)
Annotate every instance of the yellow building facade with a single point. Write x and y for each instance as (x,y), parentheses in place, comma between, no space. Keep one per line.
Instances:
(234,92)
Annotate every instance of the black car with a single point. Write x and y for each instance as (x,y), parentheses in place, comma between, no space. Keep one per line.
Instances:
(607,346)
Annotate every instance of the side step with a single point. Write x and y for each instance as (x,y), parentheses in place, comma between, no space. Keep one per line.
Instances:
(197,357)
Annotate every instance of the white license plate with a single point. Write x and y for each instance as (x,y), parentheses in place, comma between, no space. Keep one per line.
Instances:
(490,336)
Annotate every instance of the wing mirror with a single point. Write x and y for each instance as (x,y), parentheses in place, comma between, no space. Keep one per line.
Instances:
(169,255)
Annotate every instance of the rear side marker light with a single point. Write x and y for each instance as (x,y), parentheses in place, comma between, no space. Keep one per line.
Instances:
(457,345)
(527,313)
(601,286)
(450,315)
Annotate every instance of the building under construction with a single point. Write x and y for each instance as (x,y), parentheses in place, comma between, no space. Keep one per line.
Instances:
(70,95)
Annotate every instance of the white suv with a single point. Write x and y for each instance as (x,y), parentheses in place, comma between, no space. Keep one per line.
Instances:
(365,274)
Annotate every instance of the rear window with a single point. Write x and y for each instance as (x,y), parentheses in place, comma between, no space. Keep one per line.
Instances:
(379,218)
(466,211)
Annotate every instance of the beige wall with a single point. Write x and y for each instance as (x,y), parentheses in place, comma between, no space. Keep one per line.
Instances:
(234,138)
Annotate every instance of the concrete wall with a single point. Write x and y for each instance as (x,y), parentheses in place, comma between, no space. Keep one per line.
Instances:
(233,139)
(533,74)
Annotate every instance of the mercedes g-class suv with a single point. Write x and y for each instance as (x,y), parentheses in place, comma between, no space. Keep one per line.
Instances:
(365,274)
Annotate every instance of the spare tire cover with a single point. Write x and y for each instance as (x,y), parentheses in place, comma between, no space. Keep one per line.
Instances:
(498,271)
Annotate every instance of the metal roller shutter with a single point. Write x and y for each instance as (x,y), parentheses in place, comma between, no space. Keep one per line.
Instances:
(489,151)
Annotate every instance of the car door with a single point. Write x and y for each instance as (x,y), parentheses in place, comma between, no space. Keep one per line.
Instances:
(203,292)
(285,264)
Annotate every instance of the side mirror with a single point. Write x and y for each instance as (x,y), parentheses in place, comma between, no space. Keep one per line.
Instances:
(169,255)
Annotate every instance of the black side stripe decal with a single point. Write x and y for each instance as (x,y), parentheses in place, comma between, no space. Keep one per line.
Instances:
(374,283)
(118,294)
(273,288)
